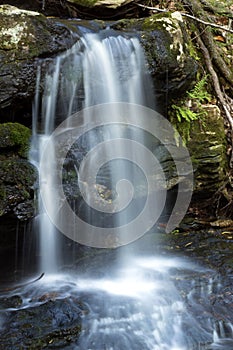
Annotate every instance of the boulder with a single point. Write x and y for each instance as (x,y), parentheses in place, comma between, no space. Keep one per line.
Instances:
(25,37)
(102,9)
(207,147)
(14,137)
(17,175)
(164,39)
(51,324)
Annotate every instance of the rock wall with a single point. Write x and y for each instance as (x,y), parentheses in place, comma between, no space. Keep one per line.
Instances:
(164,39)
(17,175)
(25,37)
(207,147)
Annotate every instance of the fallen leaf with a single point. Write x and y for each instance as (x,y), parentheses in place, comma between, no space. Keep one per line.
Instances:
(219,38)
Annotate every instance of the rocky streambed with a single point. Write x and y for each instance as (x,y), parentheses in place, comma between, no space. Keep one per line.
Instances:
(106,298)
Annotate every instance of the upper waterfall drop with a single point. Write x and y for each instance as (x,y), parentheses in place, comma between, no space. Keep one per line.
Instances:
(114,70)
(107,67)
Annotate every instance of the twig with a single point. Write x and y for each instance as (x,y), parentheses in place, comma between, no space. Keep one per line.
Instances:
(226,29)
(151,8)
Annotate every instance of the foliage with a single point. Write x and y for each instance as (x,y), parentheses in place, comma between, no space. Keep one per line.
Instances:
(199,92)
(190,108)
(184,112)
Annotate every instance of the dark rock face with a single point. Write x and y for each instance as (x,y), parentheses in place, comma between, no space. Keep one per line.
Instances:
(17,180)
(17,175)
(54,323)
(88,9)
(207,147)
(25,37)
(165,43)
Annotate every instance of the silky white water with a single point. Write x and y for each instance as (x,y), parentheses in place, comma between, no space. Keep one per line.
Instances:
(136,305)
(97,70)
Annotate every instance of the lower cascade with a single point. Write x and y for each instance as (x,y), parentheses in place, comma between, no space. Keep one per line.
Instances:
(93,190)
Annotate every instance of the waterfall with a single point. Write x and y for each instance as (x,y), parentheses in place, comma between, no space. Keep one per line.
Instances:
(99,69)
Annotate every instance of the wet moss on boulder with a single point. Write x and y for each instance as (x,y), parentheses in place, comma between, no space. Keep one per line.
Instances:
(207,147)
(164,38)
(14,137)
(205,139)
(17,175)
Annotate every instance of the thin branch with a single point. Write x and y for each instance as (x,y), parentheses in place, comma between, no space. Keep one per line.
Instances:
(226,29)
(151,8)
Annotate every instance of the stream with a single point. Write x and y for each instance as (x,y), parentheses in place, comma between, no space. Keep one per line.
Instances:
(159,301)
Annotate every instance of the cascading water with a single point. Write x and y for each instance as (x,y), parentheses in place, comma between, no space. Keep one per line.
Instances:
(113,69)
(134,304)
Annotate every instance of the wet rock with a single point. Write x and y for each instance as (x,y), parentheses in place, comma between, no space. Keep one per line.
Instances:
(164,39)
(104,9)
(81,8)
(17,175)
(207,147)
(14,301)
(17,178)
(14,138)
(56,323)
(25,36)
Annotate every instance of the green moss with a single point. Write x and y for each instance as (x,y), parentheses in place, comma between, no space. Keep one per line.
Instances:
(190,108)
(158,22)
(17,171)
(181,128)
(192,50)
(15,135)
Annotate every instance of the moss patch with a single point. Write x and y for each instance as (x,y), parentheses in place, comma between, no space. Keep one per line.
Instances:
(207,147)
(15,136)
(17,179)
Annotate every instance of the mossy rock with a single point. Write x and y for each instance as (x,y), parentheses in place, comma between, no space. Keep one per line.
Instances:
(17,181)
(25,37)
(52,323)
(17,171)
(207,147)
(164,39)
(30,34)
(14,137)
